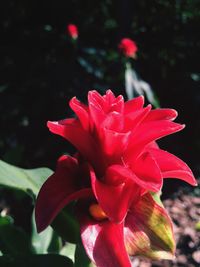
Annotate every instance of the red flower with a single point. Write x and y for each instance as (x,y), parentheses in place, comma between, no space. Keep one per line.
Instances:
(128,47)
(72,31)
(118,164)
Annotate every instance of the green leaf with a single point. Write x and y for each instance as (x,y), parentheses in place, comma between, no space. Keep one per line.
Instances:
(69,251)
(13,240)
(55,244)
(81,258)
(49,260)
(66,225)
(47,241)
(28,180)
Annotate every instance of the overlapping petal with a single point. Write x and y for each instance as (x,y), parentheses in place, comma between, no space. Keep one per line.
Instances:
(101,106)
(172,167)
(133,120)
(146,168)
(161,114)
(82,112)
(148,132)
(72,130)
(143,179)
(148,230)
(117,141)
(133,105)
(114,103)
(114,143)
(113,195)
(59,189)
(153,130)
(104,243)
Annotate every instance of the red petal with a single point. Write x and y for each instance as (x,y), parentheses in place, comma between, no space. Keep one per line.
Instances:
(133,119)
(172,167)
(161,114)
(114,103)
(81,111)
(151,145)
(133,104)
(150,131)
(148,230)
(96,99)
(72,130)
(145,181)
(100,106)
(114,121)
(116,199)
(96,106)
(114,143)
(109,96)
(104,243)
(59,189)
(147,170)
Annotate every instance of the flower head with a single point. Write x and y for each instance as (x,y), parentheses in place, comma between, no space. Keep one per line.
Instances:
(128,47)
(116,169)
(72,30)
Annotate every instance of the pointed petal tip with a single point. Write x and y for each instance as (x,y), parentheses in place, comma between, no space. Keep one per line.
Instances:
(183,126)
(92,92)
(175,112)
(172,113)
(73,100)
(178,127)
(109,91)
(195,183)
(53,126)
(149,107)
(141,98)
(51,123)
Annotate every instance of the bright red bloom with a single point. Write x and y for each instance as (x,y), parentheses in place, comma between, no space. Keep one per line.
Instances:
(72,31)
(128,47)
(117,164)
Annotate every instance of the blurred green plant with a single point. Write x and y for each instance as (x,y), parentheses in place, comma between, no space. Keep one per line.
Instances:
(19,248)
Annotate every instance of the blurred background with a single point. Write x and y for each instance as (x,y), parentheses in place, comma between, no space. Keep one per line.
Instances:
(41,69)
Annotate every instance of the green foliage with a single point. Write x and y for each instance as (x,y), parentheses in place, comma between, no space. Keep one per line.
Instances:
(47,241)
(18,250)
(69,250)
(16,246)
(13,240)
(66,225)
(81,258)
(29,181)
(50,260)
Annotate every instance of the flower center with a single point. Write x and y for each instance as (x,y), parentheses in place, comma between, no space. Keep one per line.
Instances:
(97,213)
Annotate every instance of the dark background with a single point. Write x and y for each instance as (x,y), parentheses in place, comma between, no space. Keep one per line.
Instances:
(41,69)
